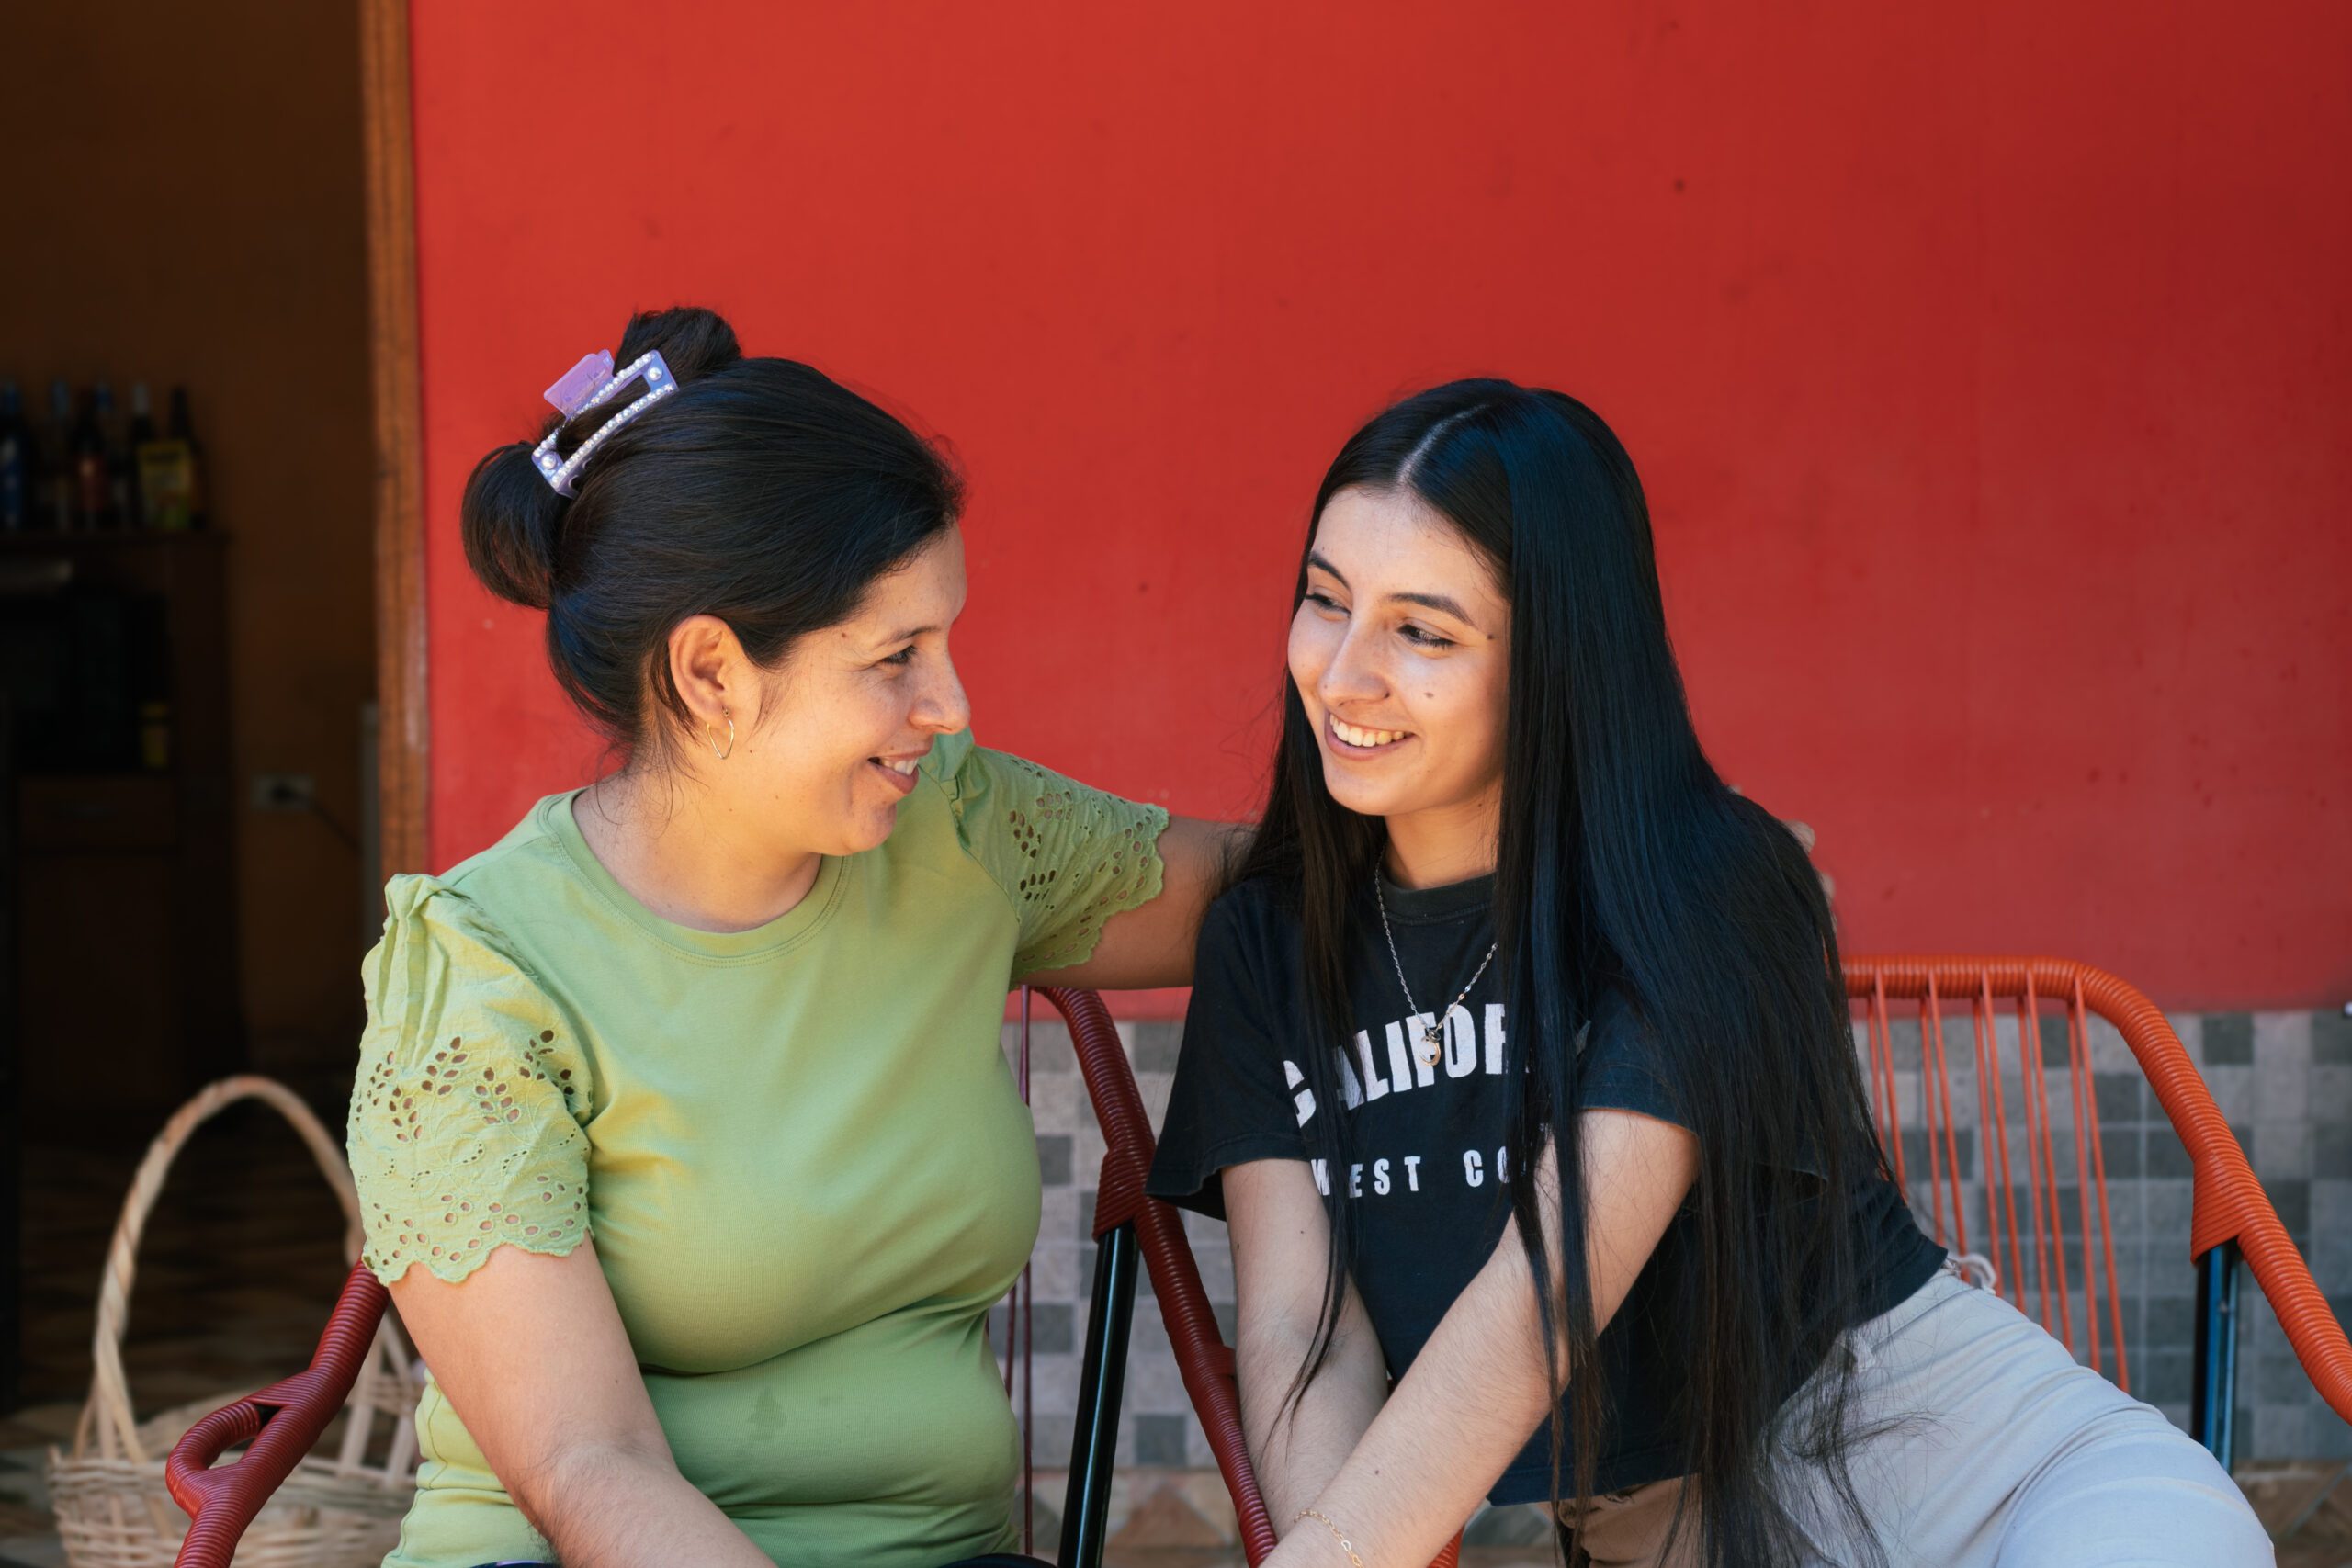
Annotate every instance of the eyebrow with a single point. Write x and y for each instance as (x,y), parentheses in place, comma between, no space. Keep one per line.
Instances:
(1437,602)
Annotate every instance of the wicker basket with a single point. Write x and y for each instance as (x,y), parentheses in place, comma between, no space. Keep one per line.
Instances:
(345,1512)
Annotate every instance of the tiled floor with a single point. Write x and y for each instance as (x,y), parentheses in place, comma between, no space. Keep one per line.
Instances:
(240,1262)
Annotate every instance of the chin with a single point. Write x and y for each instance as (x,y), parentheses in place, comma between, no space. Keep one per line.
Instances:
(1355,796)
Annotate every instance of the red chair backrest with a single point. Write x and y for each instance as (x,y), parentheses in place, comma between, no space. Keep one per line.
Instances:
(2024,1110)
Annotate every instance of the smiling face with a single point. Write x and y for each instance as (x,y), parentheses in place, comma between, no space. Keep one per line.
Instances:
(851,712)
(1400,652)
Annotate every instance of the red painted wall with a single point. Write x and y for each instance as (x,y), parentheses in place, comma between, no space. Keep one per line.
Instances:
(1988,367)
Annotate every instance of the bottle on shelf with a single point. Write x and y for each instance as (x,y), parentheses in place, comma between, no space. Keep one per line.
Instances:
(183,432)
(16,462)
(57,460)
(120,488)
(171,482)
(89,448)
(141,432)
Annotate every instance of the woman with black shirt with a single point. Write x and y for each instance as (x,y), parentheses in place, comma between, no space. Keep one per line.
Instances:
(1511,989)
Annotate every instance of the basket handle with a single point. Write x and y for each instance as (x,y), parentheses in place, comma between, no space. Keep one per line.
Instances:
(108,1410)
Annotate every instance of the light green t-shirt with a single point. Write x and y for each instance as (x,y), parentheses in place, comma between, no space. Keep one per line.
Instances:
(805,1167)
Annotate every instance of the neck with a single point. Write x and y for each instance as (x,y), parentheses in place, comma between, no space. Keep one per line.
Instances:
(1444,844)
(689,856)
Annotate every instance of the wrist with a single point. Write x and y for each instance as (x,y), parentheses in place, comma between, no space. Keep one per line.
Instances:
(1341,1544)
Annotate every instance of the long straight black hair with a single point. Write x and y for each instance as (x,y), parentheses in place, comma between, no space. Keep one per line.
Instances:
(1623,862)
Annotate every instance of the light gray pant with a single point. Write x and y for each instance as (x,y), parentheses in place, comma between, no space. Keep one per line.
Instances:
(1984,1443)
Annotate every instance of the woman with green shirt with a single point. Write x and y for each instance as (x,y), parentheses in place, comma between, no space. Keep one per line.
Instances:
(686,1145)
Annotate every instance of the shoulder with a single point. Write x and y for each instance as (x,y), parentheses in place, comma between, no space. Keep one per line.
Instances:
(511,876)
(442,949)
(443,913)
(1249,938)
(1619,1063)
(1260,906)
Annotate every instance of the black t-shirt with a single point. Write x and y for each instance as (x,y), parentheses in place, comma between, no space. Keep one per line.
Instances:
(1428,1165)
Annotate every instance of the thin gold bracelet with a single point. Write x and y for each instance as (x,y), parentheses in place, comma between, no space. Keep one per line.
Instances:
(1337,1534)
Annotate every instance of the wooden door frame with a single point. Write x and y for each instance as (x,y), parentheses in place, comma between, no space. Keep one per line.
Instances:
(400,649)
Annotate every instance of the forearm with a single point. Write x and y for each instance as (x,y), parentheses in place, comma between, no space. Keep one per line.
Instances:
(1296,1450)
(607,1506)
(1480,1387)
(1476,1395)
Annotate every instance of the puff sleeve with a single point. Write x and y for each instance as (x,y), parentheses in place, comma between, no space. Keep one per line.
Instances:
(466,1117)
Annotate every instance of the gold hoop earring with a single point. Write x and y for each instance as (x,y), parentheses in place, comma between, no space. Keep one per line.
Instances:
(711,733)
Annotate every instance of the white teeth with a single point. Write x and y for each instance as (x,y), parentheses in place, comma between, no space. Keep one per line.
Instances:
(1365,738)
(907,767)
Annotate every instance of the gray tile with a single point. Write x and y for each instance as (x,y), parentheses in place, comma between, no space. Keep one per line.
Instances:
(2331,1037)
(2282,1040)
(2119,1148)
(2228,1038)
(1155,1041)
(2331,1214)
(1050,1329)
(1920,1164)
(2331,1090)
(2122,1097)
(2233,1091)
(1052,1159)
(1050,1324)
(2331,1263)
(2052,1030)
(1049,1047)
(1051,1432)
(2332,1151)
(2279,1379)
(2279,1431)
(1159,1439)
(2165,1379)
(2282,1091)
(2282,1149)
(2172,1324)
(2167,1154)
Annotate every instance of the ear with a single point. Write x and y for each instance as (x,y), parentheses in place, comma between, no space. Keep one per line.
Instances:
(710,670)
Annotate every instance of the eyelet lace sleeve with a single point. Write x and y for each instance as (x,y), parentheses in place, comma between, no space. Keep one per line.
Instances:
(465,1133)
(1069,857)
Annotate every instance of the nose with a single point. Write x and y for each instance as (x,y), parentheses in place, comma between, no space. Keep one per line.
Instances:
(941,707)
(1353,675)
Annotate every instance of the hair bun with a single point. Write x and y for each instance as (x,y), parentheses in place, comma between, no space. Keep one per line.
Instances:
(692,341)
(510,519)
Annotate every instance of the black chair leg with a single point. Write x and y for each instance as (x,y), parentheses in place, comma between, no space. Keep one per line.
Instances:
(2213,1390)
(1095,1439)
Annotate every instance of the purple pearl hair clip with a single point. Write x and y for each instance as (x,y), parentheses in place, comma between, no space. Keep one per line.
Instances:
(590,384)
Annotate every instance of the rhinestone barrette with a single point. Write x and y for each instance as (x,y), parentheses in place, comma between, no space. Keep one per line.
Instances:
(590,384)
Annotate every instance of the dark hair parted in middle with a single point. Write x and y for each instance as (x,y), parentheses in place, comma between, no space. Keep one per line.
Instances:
(1623,862)
(761,491)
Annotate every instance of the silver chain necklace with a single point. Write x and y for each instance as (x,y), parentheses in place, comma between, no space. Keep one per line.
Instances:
(1432,1038)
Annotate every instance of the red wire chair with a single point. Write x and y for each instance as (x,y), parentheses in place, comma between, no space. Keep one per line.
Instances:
(280,1423)
(2232,1219)
(1959,1005)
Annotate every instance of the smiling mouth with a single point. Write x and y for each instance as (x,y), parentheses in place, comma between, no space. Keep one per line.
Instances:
(1354,739)
(897,772)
